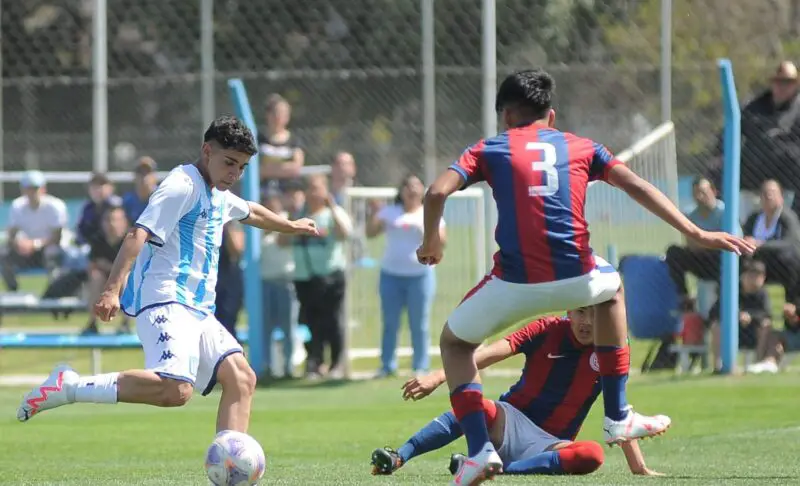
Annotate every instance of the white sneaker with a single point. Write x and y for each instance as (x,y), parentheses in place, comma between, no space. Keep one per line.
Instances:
(634,426)
(475,470)
(762,367)
(57,390)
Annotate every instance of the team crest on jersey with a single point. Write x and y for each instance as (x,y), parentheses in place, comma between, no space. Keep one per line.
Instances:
(593,363)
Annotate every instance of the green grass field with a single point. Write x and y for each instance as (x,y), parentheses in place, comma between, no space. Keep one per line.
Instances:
(727,431)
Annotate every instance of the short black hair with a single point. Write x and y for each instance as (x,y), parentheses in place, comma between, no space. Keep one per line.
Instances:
(99,179)
(231,133)
(754,266)
(530,91)
(700,179)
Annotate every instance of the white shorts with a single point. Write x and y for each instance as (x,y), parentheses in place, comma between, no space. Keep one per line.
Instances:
(183,344)
(521,437)
(494,304)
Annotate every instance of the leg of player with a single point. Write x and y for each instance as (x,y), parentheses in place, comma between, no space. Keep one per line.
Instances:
(65,386)
(621,424)
(584,457)
(238,385)
(466,398)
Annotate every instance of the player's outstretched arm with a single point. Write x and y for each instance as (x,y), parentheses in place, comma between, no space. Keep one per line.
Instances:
(656,202)
(107,305)
(263,218)
(635,459)
(485,356)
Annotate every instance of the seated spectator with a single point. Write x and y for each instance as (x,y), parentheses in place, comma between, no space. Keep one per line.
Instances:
(281,154)
(279,304)
(704,263)
(755,314)
(780,342)
(405,284)
(36,222)
(775,230)
(319,277)
(102,253)
(101,197)
(144,183)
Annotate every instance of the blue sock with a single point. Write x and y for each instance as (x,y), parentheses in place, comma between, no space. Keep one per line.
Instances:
(542,463)
(467,401)
(439,432)
(614,400)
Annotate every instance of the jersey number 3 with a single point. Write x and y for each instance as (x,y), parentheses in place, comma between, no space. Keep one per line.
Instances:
(546,165)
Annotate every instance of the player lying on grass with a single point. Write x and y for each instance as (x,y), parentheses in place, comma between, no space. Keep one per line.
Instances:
(170,290)
(539,177)
(534,424)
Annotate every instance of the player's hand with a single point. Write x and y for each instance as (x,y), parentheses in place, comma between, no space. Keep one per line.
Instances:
(718,240)
(107,306)
(305,226)
(420,387)
(645,471)
(431,251)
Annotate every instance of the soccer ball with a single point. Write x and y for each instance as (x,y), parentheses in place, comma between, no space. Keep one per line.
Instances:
(235,459)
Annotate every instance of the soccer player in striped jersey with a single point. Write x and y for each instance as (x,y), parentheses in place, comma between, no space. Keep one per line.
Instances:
(535,423)
(539,177)
(166,272)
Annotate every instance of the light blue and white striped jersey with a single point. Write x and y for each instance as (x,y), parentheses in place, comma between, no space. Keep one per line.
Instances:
(179,265)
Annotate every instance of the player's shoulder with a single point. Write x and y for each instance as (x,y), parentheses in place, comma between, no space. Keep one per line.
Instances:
(182,179)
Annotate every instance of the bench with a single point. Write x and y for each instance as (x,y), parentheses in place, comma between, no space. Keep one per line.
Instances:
(28,303)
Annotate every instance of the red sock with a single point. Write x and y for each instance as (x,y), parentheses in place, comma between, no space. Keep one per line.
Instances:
(584,457)
(490,411)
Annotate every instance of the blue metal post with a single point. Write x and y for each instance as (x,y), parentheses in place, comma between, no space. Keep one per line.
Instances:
(252,251)
(729,295)
(612,255)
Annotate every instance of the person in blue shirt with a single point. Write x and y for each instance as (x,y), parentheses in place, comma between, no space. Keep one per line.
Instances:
(144,183)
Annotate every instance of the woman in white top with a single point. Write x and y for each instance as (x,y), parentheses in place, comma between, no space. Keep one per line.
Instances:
(404,282)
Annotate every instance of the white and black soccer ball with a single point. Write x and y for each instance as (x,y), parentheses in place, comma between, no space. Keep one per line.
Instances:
(235,459)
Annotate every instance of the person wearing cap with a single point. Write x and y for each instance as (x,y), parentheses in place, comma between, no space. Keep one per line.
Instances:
(36,221)
(144,183)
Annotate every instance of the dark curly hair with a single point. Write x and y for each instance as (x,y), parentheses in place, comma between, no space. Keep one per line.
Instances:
(231,133)
(530,92)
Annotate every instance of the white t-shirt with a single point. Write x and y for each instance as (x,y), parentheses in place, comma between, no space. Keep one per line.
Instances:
(403,237)
(179,265)
(38,223)
(277,262)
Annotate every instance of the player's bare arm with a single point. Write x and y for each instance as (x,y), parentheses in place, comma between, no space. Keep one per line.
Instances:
(431,251)
(635,459)
(656,202)
(264,219)
(485,356)
(107,305)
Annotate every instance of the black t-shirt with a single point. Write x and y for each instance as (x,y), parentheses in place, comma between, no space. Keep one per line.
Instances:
(271,151)
(101,249)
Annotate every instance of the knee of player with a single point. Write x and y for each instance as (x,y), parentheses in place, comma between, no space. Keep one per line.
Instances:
(175,393)
(583,457)
(236,374)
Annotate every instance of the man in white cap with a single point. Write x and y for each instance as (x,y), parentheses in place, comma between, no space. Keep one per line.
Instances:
(36,221)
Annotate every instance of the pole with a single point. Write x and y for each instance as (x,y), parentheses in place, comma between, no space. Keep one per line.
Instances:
(666,60)
(2,126)
(729,298)
(489,85)
(428,89)
(207,101)
(100,87)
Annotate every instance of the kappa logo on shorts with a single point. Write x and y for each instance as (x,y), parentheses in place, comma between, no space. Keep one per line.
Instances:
(204,213)
(164,337)
(158,320)
(166,355)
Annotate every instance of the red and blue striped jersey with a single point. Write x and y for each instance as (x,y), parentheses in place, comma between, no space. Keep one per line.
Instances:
(560,380)
(539,176)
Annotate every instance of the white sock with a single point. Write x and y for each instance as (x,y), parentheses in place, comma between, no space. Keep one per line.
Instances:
(97,388)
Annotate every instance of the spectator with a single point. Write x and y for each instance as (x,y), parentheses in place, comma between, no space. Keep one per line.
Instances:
(320,278)
(343,174)
(230,277)
(776,232)
(102,253)
(101,197)
(755,314)
(282,156)
(701,262)
(405,284)
(144,183)
(277,272)
(780,342)
(36,222)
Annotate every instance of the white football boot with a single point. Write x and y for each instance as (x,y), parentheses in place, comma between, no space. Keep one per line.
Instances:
(57,390)
(479,468)
(634,426)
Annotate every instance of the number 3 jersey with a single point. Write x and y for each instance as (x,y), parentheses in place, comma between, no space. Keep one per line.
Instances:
(539,176)
(184,218)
